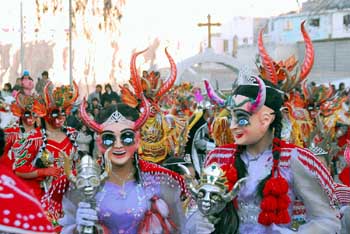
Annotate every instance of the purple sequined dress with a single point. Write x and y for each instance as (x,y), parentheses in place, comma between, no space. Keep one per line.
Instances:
(121,208)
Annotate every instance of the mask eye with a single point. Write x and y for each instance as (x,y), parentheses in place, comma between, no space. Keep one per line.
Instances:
(108,140)
(242,122)
(94,181)
(215,197)
(80,183)
(127,138)
(54,113)
(63,113)
(201,194)
(27,114)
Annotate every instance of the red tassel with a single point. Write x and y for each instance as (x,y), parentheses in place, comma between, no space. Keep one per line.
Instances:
(283,202)
(266,218)
(282,187)
(282,217)
(269,203)
(271,185)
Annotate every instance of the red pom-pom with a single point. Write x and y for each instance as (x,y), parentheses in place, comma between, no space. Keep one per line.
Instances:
(271,185)
(269,203)
(282,217)
(266,218)
(283,202)
(280,186)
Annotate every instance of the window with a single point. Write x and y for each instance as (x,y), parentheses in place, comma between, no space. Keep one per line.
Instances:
(288,26)
(346,20)
(315,22)
(225,45)
(245,40)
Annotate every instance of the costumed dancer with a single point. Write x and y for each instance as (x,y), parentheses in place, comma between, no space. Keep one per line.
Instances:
(277,172)
(139,197)
(158,139)
(27,109)
(21,212)
(43,163)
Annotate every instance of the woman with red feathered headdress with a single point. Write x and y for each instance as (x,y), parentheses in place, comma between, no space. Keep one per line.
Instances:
(39,160)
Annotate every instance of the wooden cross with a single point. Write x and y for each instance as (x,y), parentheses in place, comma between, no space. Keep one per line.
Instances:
(209,24)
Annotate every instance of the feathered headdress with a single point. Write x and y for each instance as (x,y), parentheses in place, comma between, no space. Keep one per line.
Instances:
(151,86)
(27,103)
(60,97)
(286,74)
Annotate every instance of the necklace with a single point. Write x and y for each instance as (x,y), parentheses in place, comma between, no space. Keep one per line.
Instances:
(122,193)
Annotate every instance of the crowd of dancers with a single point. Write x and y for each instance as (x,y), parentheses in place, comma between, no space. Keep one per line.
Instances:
(271,156)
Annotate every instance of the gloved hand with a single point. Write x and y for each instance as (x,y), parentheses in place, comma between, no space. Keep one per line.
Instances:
(50,171)
(85,216)
(197,223)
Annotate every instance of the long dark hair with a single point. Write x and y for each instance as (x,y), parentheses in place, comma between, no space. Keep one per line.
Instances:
(229,221)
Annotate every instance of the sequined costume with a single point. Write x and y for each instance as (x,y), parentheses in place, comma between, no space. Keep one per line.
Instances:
(124,209)
(308,179)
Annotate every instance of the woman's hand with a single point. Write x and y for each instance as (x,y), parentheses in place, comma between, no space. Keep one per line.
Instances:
(85,216)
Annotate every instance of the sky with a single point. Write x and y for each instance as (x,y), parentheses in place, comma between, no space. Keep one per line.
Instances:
(172,22)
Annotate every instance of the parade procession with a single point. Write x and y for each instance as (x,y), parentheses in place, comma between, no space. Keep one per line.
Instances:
(145,118)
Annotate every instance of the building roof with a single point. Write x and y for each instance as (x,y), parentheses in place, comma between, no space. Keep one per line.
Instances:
(319,5)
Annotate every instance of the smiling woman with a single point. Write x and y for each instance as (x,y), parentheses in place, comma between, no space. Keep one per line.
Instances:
(138,196)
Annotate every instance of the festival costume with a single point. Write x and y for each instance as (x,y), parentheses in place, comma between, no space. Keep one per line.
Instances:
(158,138)
(149,204)
(308,180)
(27,217)
(283,173)
(132,208)
(38,152)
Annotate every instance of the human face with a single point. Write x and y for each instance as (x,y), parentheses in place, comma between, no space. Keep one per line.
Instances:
(56,118)
(246,127)
(29,118)
(121,141)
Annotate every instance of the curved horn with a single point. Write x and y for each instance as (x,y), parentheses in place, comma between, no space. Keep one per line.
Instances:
(212,95)
(189,179)
(266,60)
(309,54)
(144,115)
(135,79)
(86,118)
(260,99)
(171,80)
(233,193)
(47,98)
